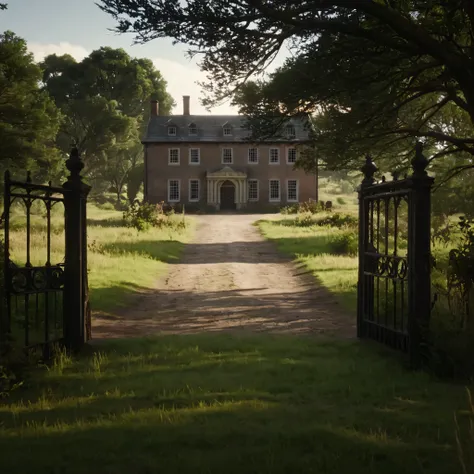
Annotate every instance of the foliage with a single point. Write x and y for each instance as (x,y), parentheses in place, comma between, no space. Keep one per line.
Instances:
(380,74)
(345,243)
(135,179)
(339,220)
(304,219)
(143,215)
(29,120)
(341,201)
(465,438)
(311,206)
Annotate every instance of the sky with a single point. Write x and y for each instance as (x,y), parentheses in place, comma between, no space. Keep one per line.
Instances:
(77,27)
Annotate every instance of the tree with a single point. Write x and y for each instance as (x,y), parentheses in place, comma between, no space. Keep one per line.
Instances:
(105,103)
(29,119)
(381,73)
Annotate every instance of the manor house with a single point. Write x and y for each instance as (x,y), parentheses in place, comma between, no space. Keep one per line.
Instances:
(207,160)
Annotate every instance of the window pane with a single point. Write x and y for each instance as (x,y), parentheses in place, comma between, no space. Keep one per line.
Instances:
(291,155)
(173,190)
(274,155)
(173,155)
(193,129)
(194,155)
(253,155)
(227,155)
(172,131)
(227,131)
(274,190)
(292,190)
(253,190)
(194,190)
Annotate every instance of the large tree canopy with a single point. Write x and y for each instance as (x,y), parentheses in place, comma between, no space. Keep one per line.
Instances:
(29,119)
(380,74)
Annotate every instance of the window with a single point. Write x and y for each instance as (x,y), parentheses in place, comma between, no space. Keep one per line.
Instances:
(173,190)
(274,190)
(194,156)
(292,190)
(253,155)
(192,129)
(227,130)
(227,156)
(290,131)
(291,156)
(194,189)
(274,156)
(173,156)
(253,189)
(172,131)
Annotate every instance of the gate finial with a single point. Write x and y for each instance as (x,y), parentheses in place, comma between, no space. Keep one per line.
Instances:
(369,169)
(419,162)
(74,164)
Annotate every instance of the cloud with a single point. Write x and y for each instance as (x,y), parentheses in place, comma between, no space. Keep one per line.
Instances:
(181,78)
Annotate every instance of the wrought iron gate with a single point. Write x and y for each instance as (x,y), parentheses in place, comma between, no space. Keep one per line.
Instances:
(394,288)
(46,303)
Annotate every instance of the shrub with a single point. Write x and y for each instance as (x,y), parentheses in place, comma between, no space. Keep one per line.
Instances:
(341,201)
(346,187)
(291,209)
(144,215)
(107,206)
(345,243)
(310,206)
(339,220)
(304,220)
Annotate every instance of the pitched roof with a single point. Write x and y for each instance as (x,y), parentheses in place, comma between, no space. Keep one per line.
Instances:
(210,129)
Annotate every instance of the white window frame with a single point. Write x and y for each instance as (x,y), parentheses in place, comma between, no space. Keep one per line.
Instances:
(231,156)
(169,157)
(169,189)
(256,155)
(270,199)
(172,127)
(192,126)
(199,190)
(297,190)
(248,190)
(199,157)
(270,156)
(227,131)
(293,131)
(288,155)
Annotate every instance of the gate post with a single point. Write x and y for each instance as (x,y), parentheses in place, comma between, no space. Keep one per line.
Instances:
(419,254)
(369,170)
(75,272)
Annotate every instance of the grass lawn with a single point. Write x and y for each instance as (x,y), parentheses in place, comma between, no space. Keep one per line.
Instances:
(229,404)
(309,246)
(121,260)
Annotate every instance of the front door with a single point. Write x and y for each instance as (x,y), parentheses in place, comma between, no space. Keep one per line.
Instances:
(228,196)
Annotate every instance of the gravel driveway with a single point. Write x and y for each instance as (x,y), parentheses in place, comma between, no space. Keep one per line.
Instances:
(230,278)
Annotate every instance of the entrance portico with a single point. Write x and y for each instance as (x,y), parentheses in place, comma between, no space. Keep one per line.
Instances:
(226,175)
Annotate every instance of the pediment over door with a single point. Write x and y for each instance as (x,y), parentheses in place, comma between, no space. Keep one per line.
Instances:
(227,172)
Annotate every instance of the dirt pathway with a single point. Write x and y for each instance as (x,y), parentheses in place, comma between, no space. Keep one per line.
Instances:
(230,278)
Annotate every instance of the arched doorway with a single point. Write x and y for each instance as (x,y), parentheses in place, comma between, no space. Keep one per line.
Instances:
(227,195)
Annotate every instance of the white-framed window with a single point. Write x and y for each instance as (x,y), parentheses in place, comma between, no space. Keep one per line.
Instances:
(194,156)
(292,190)
(253,156)
(274,156)
(171,131)
(174,188)
(291,156)
(173,156)
(194,190)
(290,131)
(252,186)
(274,190)
(227,157)
(227,130)
(192,130)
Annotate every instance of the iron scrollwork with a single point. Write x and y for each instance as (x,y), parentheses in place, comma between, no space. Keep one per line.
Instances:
(36,279)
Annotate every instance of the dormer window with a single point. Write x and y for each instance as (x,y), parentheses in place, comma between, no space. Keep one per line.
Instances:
(227,130)
(171,131)
(192,129)
(290,131)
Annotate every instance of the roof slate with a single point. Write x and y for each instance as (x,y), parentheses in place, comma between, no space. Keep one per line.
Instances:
(210,129)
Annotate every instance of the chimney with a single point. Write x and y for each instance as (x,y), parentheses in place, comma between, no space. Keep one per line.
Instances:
(185,104)
(155,107)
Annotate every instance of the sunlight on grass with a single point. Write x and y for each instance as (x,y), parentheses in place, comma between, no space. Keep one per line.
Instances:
(121,260)
(221,403)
